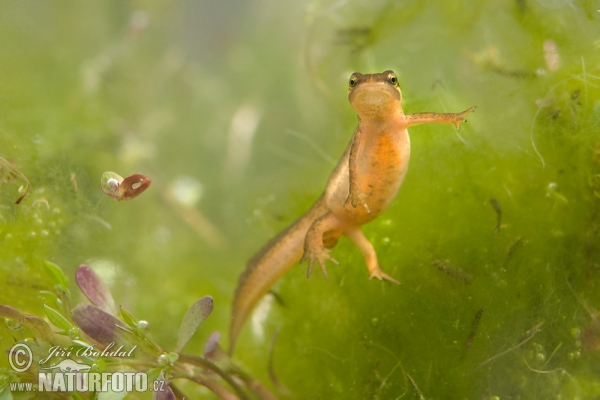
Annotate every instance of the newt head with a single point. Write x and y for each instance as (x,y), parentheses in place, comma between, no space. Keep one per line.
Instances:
(375,96)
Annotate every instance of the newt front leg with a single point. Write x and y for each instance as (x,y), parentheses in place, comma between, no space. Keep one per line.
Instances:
(355,195)
(440,118)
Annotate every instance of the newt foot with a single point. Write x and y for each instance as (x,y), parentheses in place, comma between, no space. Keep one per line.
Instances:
(379,274)
(320,256)
(460,117)
(357,198)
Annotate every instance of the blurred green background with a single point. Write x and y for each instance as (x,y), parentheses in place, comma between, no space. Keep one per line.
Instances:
(238,113)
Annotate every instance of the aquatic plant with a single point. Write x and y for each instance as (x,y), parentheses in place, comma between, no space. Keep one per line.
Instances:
(108,339)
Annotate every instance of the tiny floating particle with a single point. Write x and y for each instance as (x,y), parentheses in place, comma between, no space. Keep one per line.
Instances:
(120,188)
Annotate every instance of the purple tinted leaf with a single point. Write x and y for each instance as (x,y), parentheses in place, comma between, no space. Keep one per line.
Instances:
(192,320)
(94,289)
(163,391)
(38,326)
(212,344)
(9,312)
(97,324)
(14,315)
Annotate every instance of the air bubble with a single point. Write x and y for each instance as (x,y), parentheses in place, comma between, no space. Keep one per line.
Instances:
(112,184)
(13,324)
(163,360)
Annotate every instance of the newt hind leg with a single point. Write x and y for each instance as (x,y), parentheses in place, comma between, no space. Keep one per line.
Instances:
(314,247)
(358,238)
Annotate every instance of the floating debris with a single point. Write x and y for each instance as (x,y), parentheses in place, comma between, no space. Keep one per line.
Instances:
(120,188)
(498,209)
(453,272)
(474,326)
(551,56)
(510,251)
(553,193)
(8,173)
(74,180)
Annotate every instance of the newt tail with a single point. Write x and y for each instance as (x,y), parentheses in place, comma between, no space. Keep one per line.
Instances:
(267,266)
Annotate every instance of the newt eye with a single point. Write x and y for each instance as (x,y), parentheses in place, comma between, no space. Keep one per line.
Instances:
(352,81)
(393,79)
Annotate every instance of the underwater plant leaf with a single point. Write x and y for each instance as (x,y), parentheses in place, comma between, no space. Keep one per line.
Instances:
(57,319)
(212,344)
(15,317)
(154,373)
(39,327)
(57,275)
(192,320)
(93,288)
(98,324)
(128,317)
(9,312)
(49,298)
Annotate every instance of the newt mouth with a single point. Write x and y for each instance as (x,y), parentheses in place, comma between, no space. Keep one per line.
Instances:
(375,98)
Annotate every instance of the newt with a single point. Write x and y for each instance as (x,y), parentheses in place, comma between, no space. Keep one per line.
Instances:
(361,187)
